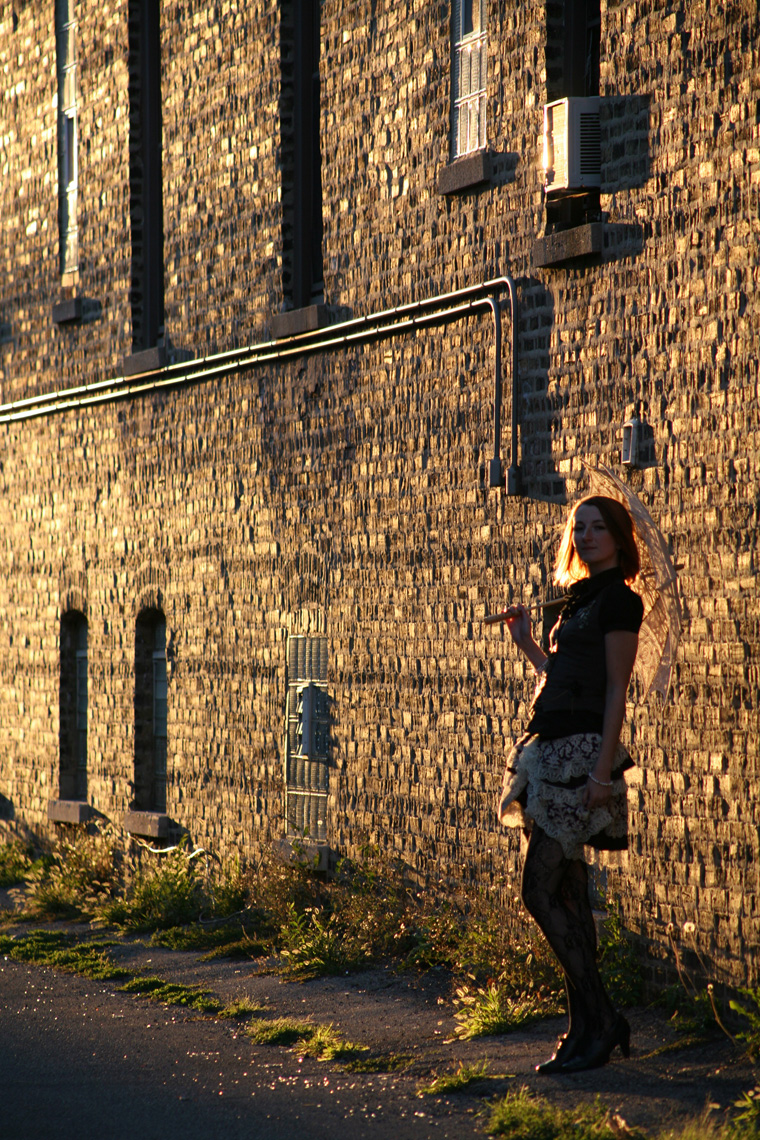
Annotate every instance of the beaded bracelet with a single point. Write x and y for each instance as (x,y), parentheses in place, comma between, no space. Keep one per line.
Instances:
(601,783)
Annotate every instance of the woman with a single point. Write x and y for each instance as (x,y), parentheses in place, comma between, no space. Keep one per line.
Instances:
(565,776)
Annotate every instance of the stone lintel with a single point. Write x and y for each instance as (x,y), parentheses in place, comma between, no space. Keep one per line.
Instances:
(580,241)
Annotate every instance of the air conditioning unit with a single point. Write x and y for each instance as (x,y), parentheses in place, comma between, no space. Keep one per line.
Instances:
(572,146)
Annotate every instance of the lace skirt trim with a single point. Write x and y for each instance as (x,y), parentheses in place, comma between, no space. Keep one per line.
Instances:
(544,782)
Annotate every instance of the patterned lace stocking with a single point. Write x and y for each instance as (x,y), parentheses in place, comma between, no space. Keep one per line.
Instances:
(555,893)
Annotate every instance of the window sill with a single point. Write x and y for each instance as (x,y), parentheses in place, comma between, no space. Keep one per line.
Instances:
(69,811)
(465,173)
(566,245)
(149,360)
(66,312)
(309,319)
(302,853)
(147,824)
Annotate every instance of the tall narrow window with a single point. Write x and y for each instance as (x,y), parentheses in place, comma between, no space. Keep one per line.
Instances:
(145,174)
(573,46)
(150,712)
(301,152)
(307,744)
(468,111)
(73,707)
(66,54)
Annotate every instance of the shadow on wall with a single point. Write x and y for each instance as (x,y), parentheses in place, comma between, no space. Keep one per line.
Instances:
(624,131)
(538,411)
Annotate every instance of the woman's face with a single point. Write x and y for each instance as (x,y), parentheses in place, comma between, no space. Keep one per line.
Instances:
(593,543)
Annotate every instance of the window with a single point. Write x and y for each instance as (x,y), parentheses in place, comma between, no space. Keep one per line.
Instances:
(307,745)
(573,45)
(468,111)
(150,712)
(73,707)
(66,53)
(145,174)
(301,153)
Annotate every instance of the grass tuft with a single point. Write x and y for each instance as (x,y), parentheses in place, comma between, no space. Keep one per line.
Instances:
(172,993)
(241,1009)
(57,950)
(463,1079)
(521,1116)
(281,1031)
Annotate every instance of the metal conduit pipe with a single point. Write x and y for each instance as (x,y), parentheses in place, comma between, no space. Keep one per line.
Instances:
(438,310)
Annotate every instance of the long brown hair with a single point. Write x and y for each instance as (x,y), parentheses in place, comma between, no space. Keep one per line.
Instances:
(568,567)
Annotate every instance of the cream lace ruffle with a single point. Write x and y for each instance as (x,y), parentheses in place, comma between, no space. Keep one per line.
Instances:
(535,771)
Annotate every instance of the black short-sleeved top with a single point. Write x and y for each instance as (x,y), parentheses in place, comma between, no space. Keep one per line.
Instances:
(571,692)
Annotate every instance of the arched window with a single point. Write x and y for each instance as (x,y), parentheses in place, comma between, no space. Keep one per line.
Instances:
(73,707)
(150,712)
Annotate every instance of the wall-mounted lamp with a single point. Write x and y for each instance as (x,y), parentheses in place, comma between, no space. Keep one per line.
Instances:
(631,442)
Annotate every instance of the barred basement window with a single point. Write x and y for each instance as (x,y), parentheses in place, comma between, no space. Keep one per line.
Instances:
(308,736)
(66,54)
(469,61)
(73,707)
(150,712)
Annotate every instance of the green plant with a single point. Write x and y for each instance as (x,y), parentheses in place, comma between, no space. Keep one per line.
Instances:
(483,1011)
(313,946)
(619,964)
(75,877)
(15,861)
(460,1081)
(751,1012)
(161,895)
(747,1120)
(521,1116)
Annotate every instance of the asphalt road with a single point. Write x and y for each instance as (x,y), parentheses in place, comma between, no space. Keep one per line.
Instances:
(78,1060)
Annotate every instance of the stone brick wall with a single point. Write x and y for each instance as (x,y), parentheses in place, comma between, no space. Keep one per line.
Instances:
(345,490)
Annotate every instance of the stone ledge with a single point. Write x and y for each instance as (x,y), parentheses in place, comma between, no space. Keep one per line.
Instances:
(580,241)
(148,824)
(296,321)
(69,811)
(317,856)
(149,360)
(465,173)
(64,312)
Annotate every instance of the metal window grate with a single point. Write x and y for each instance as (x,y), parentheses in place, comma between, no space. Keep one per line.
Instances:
(81,709)
(66,51)
(469,68)
(159,716)
(308,738)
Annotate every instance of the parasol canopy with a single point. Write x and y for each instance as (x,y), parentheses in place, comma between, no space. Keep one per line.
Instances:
(656,584)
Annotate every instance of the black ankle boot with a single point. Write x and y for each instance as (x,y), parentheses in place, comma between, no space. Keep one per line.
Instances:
(566,1050)
(598,1049)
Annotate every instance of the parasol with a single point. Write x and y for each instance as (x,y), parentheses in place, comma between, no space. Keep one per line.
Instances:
(656,584)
